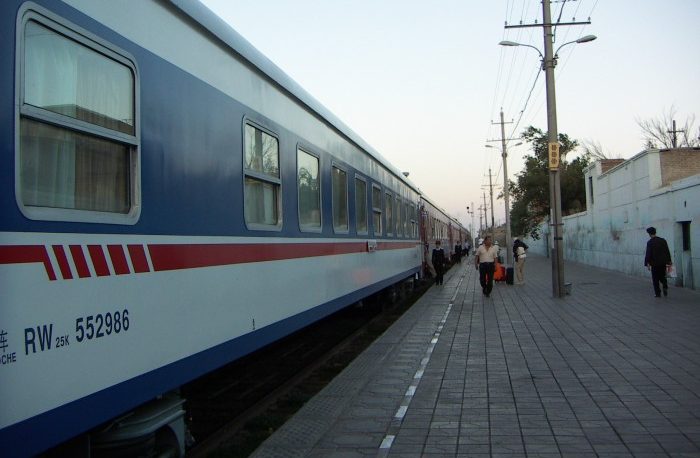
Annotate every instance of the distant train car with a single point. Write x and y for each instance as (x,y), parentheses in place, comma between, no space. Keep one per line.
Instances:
(170,202)
(436,224)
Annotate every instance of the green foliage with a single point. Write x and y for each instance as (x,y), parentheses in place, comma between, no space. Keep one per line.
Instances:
(530,191)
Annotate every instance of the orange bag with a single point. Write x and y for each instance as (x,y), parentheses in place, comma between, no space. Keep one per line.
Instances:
(499,272)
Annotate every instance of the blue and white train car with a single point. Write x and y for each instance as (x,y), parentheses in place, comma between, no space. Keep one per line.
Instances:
(170,201)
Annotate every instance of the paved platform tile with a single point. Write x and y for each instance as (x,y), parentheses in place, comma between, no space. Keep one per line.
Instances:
(608,371)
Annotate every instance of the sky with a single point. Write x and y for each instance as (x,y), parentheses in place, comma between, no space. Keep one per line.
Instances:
(423,82)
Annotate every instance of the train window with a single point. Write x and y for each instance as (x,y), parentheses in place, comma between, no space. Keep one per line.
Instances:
(412,215)
(418,217)
(360,206)
(78,136)
(406,218)
(340,200)
(377,209)
(388,206)
(262,205)
(399,217)
(308,181)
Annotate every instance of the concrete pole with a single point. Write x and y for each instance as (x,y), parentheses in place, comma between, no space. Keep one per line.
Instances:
(493,220)
(506,196)
(554,174)
(486,215)
(473,238)
(481,225)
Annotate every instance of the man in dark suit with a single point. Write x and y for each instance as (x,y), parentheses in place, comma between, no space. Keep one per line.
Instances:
(438,260)
(657,259)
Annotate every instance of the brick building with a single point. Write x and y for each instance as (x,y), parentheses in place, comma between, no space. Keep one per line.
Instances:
(659,188)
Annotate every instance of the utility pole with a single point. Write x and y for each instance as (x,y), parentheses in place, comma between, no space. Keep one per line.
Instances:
(506,194)
(506,191)
(486,223)
(473,242)
(481,226)
(470,214)
(554,163)
(549,61)
(674,139)
(493,221)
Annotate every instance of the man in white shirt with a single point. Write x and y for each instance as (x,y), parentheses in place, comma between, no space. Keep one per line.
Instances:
(485,261)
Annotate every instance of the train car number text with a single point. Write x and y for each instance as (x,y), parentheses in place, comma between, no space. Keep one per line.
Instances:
(97,326)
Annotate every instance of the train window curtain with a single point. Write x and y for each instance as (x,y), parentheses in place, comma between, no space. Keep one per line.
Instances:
(309,191)
(66,164)
(262,181)
(361,206)
(377,210)
(340,200)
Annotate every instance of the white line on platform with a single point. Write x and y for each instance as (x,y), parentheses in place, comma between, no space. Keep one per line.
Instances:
(401,413)
(388,440)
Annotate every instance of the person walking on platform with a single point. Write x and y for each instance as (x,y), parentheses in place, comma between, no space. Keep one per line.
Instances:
(438,260)
(519,255)
(657,260)
(485,261)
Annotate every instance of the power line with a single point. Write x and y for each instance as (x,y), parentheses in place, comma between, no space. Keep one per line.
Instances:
(554,29)
(535,99)
(516,67)
(520,117)
(513,64)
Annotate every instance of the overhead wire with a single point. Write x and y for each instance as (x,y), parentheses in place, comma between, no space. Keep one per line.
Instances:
(581,32)
(518,62)
(527,100)
(554,29)
(510,10)
(567,29)
(538,100)
(510,92)
(531,99)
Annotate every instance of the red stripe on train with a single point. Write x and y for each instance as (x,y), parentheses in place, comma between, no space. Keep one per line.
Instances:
(98,260)
(177,256)
(80,261)
(174,257)
(62,262)
(25,254)
(396,245)
(116,252)
(138,258)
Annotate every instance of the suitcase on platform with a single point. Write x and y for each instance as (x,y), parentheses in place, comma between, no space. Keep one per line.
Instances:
(509,275)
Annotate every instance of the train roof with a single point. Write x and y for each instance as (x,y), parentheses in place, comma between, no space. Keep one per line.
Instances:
(235,41)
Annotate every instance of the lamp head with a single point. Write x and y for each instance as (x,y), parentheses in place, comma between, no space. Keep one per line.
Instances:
(508,43)
(586,39)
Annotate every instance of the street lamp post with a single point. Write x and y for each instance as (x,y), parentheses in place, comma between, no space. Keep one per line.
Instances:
(549,61)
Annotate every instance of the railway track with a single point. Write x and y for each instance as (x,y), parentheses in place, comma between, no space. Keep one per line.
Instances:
(232,410)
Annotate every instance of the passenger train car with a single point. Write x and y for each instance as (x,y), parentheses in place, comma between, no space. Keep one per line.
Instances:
(436,225)
(170,201)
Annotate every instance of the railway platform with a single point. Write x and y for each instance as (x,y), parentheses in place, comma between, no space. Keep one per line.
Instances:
(609,370)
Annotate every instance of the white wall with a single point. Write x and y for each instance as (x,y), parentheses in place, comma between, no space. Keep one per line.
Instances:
(625,201)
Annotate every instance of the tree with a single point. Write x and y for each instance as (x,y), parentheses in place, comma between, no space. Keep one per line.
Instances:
(530,191)
(594,150)
(656,132)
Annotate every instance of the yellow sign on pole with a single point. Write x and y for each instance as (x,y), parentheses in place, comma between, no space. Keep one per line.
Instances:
(554,156)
